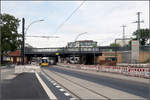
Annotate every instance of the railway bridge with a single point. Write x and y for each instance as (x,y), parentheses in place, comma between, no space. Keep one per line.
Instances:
(85,54)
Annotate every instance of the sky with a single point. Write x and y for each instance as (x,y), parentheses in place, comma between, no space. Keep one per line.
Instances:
(102,20)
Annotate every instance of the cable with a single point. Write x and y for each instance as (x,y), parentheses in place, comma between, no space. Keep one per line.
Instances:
(111,38)
(44,36)
(69,17)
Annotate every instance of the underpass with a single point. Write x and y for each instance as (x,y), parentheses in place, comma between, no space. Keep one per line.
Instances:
(57,82)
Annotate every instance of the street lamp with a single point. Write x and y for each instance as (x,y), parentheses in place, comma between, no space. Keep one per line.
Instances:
(31,24)
(79,43)
(79,35)
(23,35)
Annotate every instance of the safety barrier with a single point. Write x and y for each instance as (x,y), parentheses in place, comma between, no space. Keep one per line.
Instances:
(26,68)
(137,72)
(129,71)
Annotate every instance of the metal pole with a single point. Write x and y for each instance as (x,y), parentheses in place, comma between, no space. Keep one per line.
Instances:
(138,26)
(94,57)
(115,51)
(23,41)
(123,37)
(79,53)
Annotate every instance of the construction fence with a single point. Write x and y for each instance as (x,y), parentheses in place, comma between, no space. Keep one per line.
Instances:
(126,70)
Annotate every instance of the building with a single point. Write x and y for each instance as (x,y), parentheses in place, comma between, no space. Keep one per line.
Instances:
(82,43)
(15,56)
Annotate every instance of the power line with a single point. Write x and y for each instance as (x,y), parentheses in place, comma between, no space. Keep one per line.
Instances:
(118,34)
(69,17)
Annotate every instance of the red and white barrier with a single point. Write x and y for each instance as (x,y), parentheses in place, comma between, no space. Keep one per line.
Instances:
(130,71)
(137,72)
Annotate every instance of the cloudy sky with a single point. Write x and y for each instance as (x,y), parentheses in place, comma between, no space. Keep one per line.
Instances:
(101,20)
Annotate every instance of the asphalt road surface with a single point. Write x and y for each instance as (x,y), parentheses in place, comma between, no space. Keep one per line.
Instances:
(24,86)
(131,87)
(67,84)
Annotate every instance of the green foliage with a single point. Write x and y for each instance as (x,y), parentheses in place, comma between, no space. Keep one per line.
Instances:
(114,45)
(144,36)
(94,45)
(10,39)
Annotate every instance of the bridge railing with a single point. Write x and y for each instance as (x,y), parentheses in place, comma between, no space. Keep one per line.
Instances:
(61,50)
(74,50)
(82,49)
(41,50)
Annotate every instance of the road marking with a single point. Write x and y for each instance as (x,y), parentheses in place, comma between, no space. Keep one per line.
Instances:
(49,79)
(73,99)
(52,81)
(54,84)
(61,90)
(47,90)
(67,94)
(46,76)
(58,86)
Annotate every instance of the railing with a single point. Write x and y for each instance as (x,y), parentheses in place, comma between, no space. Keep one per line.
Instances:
(62,50)
(80,49)
(145,48)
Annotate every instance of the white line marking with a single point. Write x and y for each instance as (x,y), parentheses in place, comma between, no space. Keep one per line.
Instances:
(61,90)
(47,90)
(73,99)
(52,81)
(49,79)
(54,84)
(67,94)
(58,86)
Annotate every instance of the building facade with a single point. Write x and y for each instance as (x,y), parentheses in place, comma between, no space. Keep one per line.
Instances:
(82,43)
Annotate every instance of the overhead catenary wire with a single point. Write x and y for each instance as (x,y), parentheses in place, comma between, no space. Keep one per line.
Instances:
(62,24)
(44,36)
(111,38)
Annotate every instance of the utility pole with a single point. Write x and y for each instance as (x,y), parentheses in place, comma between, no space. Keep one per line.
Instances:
(22,49)
(123,37)
(138,23)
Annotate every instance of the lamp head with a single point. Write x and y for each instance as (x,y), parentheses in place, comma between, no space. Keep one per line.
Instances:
(42,20)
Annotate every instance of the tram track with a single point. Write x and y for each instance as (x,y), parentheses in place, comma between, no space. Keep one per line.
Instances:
(74,95)
(75,83)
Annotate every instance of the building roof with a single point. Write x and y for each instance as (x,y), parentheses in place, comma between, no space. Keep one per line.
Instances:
(16,53)
(85,41)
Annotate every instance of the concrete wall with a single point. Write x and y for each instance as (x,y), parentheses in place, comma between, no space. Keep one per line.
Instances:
(110,54)
(125,57)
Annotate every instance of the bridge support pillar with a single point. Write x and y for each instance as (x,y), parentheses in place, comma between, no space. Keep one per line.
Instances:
(87,59)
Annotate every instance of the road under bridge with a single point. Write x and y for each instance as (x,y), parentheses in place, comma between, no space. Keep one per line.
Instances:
(86,55)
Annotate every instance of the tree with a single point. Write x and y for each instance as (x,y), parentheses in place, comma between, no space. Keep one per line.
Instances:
(144,36)
(114,45)
(10,39)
